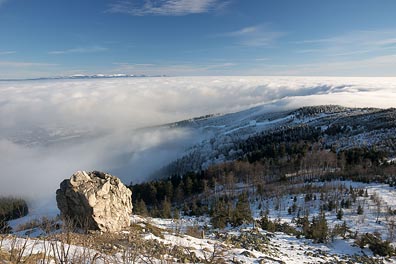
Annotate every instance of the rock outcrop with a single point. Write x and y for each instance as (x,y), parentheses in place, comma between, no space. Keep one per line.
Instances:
(95,201)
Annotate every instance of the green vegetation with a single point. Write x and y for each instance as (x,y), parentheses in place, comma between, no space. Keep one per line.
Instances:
(11,208)
(376,244)
(223,212)
(267,167)
(294,154)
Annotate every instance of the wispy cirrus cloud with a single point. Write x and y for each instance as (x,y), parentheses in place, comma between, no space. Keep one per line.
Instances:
(174,69)
(384,66)
(24,64)
(26,69)
(7,52)
(255,36)
(363,42)
(79,50)
(166,7)
(2,2)
(262,59)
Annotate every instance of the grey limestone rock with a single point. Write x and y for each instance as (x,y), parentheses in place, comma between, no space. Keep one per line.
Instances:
(95,201)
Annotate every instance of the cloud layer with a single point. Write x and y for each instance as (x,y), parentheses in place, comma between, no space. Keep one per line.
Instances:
(50,129)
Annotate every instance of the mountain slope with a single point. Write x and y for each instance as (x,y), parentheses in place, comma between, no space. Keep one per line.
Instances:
(336,127)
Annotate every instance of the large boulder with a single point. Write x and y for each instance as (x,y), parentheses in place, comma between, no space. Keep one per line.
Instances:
(95,201)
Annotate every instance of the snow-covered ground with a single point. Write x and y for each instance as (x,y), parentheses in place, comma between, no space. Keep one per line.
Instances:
(186,237)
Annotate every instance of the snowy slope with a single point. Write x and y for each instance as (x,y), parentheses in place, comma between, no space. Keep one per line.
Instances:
(221,134)
(156,240)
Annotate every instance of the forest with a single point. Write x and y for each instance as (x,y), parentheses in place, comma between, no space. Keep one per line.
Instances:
(290,155)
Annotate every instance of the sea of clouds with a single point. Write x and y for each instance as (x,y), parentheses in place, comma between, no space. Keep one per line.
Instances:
(52,128)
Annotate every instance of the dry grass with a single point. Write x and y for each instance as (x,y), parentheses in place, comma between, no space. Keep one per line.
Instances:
(128,246)
(194,231)
(46,224)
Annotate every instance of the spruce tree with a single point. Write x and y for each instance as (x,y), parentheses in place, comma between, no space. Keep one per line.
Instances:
(166,210)
(360,210)
(319,228)
(141,208)
(242,213)
(219,214)
(340,214)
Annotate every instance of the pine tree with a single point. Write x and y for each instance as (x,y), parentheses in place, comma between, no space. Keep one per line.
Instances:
(176,213)
(340,214)
(305,226)
(166,210)
(319,228)
(294,207)
(360,210)
(219,214)
(242,213)
(141,208)
(188,185)
(344,229)
(267,224)
(194,208)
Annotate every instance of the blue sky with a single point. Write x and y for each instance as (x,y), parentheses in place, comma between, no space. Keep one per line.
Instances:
(197,37)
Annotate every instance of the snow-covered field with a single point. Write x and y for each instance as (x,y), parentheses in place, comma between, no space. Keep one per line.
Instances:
(212,245)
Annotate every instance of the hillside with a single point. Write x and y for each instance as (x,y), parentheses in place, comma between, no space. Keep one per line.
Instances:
(334,127)
(310,185)
(192,239)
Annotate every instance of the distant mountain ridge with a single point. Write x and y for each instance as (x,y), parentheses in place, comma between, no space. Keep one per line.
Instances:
(86,76)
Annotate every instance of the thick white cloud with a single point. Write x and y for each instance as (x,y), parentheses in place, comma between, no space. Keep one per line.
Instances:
(106,112)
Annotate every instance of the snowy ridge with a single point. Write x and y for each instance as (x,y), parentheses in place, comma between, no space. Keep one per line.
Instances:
(83,76)
(341,127)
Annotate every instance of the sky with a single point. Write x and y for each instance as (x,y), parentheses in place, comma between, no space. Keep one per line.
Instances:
(46,38)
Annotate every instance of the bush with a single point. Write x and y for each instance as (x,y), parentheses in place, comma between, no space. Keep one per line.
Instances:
(340,214)
(12,208)
(4,227)
(375,244)
(317,229)
(266,224)
(195,231)
(46,224)
(360,210)
(276,226)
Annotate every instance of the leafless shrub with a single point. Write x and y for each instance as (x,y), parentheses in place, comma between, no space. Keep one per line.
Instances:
(194,231)
(215,254)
